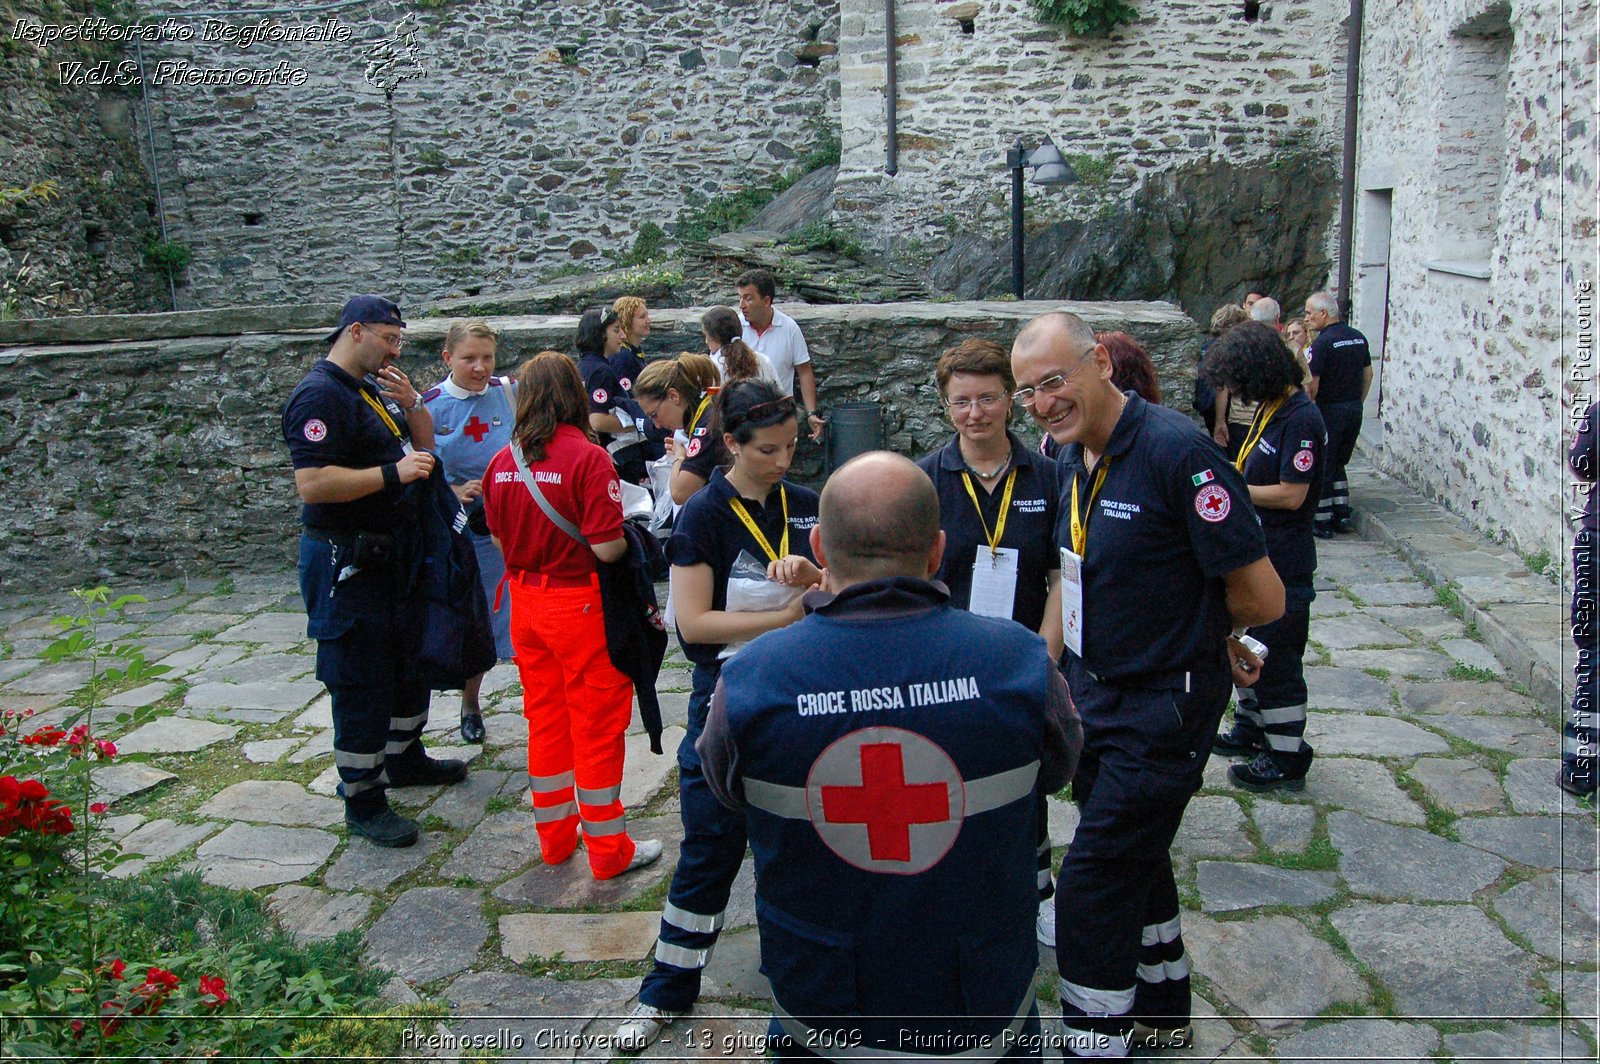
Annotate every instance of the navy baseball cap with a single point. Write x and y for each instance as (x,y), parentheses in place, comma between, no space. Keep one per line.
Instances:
(367,310)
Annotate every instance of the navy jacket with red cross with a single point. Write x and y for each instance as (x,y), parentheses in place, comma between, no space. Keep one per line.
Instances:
(888,763)
(1290,451)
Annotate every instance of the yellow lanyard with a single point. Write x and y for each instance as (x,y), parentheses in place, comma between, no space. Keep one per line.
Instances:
(387,420)
(1259,426)
(701,409)
(1005,510)
(1080,522)
(761,537)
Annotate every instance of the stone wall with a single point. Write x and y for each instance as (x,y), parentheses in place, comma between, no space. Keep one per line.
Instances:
(166,456)
(1481,322)
(474,146)
(1191,80)
(80,250)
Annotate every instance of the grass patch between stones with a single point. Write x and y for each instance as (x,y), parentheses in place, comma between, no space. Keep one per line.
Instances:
(1440,821)
(1471,673)
(1383,1003)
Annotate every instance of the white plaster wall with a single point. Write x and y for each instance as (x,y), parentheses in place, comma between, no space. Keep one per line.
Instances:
(1474,383)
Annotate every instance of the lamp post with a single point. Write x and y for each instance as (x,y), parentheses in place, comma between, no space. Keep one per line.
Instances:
(1049,168)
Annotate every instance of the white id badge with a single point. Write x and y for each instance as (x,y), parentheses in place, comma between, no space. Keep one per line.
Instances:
(994,582)
(1072,601)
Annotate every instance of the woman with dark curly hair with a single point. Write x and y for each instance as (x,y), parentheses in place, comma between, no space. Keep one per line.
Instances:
(1281,457)
(599,338)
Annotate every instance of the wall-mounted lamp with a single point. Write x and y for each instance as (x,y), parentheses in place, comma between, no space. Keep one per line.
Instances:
(1049,168)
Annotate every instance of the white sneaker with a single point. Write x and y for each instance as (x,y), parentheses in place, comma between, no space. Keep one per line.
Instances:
(1045,926)
(645,852)
(644,1024)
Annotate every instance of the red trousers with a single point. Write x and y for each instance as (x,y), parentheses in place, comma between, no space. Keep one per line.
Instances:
(578,706)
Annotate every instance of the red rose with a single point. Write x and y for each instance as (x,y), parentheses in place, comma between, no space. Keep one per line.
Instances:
(97,808)
(161,979)
(107,748)
(213,991)
(46,736)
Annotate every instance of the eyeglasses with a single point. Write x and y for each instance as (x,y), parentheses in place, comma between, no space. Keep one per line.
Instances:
(987,403)
(394,340)
(1051,385)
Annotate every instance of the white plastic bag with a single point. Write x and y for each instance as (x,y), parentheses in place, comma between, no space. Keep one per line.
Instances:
(749,591)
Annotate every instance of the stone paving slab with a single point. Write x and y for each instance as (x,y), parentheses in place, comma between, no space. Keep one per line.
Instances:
(1519,1041)
(1351,689)
(156,840)
(319,745)
(1557,913)
(429,933)
(174,735)
(1538,841)
(645,773)
(1396,593)
(1473,655)
(126,779)
(319,717)
(139,697)
(312,915)
(185,662)
(734,970)
(1355,783)
(1356,630)
(1403,663)
(1284,827)
(1385,861)
(1228,886)
(364,866)
(507,730)
(1429,623)
(609,936)
(269,628)
(255,855)
(1213,826)
(266,751)
(1362,1041)
(1487,978)
(1531,785)
(557,1013)
(1370,735)
(462,805)
(273,802)
(275,698)
(1062,822)
(1459,785)
(1523,736)
(262,668)
(498,848)
(59,679)
(1228,954)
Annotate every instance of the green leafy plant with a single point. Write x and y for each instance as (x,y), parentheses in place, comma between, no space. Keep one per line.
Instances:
(167,256)
(44,191)
(648,241)
(1085,18)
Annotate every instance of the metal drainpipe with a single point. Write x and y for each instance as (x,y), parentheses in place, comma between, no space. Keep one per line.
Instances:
(155,164)
(891,92)
(1347,183)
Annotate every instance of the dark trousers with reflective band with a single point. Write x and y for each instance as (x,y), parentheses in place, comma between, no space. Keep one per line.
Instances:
(362,625)
(1119,945)
(714,842)
(1274,709)
(1579,734)
(1344,428)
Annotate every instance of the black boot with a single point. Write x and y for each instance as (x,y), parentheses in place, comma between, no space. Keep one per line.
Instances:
(1272,771)
(1238,740)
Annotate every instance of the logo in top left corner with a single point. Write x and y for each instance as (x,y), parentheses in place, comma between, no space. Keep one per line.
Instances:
(315,430)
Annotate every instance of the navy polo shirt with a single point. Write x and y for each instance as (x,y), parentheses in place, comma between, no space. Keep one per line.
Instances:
(1337,358)
(327,423)
(1030,528)
(626,364)
(601,384)
(1172,518)
(708,532)
(1291,451)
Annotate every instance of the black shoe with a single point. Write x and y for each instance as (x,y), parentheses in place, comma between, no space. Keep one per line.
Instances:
(1238,741)
(472,728)
(1570,784)
(428,772)
(1345,525)
(1273,772)
(1322,530)
(383,828)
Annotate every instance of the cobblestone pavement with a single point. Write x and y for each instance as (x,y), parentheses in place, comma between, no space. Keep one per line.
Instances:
(1431,894)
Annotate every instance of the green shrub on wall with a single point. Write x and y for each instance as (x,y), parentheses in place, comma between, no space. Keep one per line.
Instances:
(1086,18)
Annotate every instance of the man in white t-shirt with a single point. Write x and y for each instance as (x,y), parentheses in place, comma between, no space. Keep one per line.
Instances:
(774,334)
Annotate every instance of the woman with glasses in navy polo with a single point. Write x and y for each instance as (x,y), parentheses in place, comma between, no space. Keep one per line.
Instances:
(997,506)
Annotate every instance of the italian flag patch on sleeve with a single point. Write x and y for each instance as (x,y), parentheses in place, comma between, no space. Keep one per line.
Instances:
(1205,476)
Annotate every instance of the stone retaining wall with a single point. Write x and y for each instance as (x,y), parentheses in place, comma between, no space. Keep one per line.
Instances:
(165,456)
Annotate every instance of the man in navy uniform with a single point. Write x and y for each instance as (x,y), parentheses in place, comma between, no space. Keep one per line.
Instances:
(1161,554)
(885,750)
(1341,376)
(358,433)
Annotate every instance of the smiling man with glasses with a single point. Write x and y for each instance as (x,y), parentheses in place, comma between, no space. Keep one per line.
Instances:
(1160,555)
(358,433)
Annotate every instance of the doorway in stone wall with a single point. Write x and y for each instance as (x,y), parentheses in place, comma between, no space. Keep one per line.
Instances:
(1369,310)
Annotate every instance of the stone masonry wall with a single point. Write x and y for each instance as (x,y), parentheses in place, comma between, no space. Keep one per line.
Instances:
(478,145)
(81,250)
(1190,80)
(166,456)
(1474,388)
